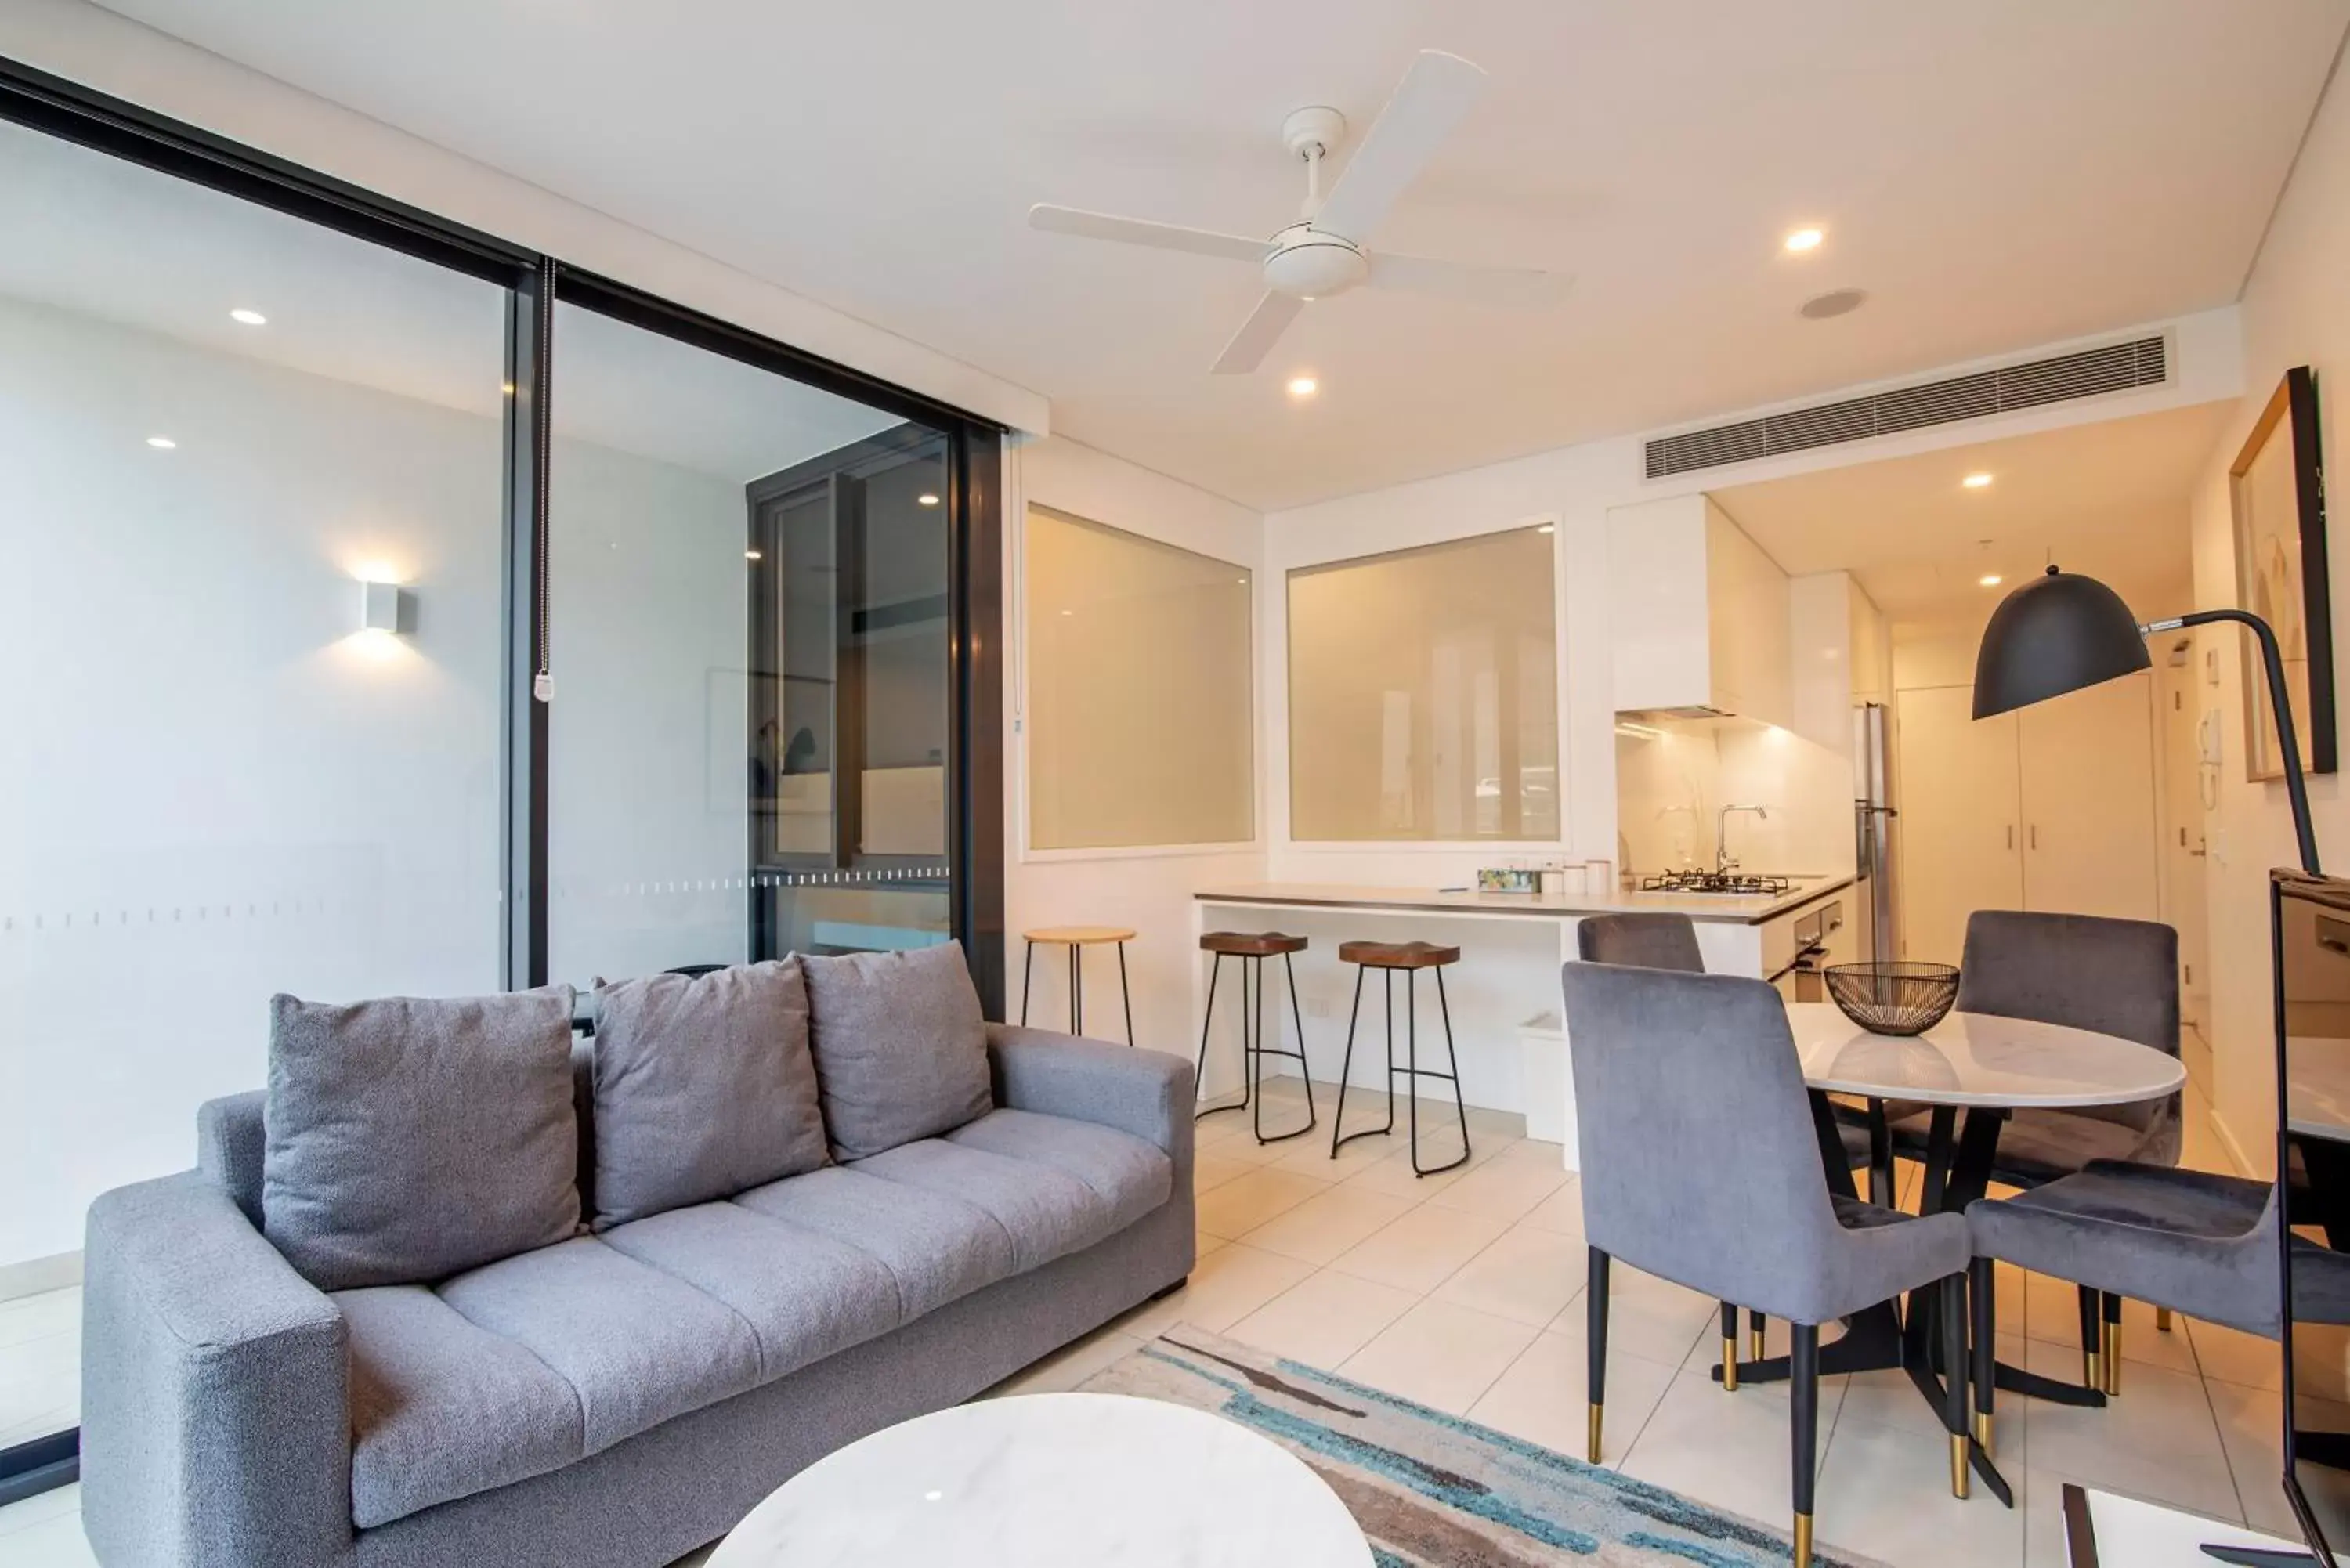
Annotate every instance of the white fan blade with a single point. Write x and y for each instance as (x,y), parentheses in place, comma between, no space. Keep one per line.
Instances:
(1433,97)
(1143,231)
(1265,324)
(1521,289)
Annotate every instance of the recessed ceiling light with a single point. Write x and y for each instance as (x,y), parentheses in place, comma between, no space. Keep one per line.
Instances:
(1836,301)
(247,316)
(161,444)
(1977,481)
(1805,239)
(1304,386)
(926,499)
(1547,528)
(1989,579)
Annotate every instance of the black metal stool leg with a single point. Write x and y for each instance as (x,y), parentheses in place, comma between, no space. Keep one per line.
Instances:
(1027,969)
(1207,1019)
(1338,1134)
(1459,1105)
(1305,1068)
(1126,993)
(1254,963)
(1077,990)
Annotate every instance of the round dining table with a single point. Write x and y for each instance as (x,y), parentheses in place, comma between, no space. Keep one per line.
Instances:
(1983,1067)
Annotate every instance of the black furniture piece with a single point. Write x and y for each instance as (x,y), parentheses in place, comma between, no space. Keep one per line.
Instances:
(1252,949)
(1406,958)
(1077,938)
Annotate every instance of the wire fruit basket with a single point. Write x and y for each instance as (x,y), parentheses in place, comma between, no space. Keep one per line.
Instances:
(1893,996)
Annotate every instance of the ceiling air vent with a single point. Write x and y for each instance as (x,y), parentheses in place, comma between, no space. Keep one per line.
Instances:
(2116,368)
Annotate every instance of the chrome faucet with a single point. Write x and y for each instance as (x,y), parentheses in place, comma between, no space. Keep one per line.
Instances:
(1721,860)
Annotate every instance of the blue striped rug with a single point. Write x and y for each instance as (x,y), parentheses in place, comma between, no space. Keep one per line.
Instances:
(1433,1490)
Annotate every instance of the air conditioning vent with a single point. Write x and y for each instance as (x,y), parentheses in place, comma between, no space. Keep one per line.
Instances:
(2091,372)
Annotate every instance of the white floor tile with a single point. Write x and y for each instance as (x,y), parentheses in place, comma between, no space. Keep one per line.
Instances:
(1072,1364)
(39,1317)
(1211,1170)
(1418,1250)
(1225,1286)
(1543,1397)
(1324,1318)
(1246,1203)
(19,1516)
(1328,1223)
(1527,1274)
(1440,1355)
(2158,1439)
(1562,1212)
(1504,1188)
(2231,1355)
(1886,1494)
(54,1542)
(1725,1449)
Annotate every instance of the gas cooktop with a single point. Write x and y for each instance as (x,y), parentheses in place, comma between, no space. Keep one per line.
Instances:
(1729,883)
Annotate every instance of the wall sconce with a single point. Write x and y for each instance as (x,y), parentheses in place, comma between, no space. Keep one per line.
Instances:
(386,607)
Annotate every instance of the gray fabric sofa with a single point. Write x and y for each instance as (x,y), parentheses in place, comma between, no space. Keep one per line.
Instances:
(618,1399)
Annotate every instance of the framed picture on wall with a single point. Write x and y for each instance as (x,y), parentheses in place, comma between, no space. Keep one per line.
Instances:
(2276,492)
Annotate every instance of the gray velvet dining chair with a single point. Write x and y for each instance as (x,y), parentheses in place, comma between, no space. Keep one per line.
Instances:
(2084,971)
(2185,1241)
(1760,1228)
(1661,939)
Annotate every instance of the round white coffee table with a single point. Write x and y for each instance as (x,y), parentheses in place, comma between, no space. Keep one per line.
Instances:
(1052,1480)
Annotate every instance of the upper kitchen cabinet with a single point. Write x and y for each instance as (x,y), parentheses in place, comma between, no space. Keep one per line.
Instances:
(1701,614)
(1841,655)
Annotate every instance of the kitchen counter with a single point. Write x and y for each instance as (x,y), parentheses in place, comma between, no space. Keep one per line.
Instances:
(1745,909)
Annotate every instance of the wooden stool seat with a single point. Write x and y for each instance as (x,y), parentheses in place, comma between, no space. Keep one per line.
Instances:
(1078,935)
(1251,944)
(1397,955)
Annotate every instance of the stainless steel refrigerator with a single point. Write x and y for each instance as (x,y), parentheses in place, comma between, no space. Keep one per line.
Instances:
(1874,822)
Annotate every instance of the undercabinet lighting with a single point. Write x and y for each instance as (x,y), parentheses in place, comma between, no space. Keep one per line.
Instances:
(750,555)
(1988,580)
(1304,386)
(1638,732)
(161,444)
(926,499)
(1977,481)
(1805,239)
(245,316)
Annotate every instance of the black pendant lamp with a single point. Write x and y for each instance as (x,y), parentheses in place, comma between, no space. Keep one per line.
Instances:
(2062,631)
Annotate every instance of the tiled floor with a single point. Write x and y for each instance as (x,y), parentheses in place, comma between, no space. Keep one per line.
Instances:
(1464,1290)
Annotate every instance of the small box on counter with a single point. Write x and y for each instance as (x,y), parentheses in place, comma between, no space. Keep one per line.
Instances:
(1508,881)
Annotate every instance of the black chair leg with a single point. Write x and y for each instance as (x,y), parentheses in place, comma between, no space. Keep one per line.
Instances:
(2109,1348)
(1028,969)
(1982,1294)
(1076,988)
(1729,1348)
(1954,1377)
(1594,1320)
(1754,1322)
(2092,1335)
(1305,1068)
(1881,1190)
(1803,1397)
(1126,993)
(1207,1019)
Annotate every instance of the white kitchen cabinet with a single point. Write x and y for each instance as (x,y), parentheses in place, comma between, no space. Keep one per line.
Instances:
(2050,807)
(1699,611)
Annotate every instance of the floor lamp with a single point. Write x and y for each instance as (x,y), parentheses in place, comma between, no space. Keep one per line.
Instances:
(2064,631)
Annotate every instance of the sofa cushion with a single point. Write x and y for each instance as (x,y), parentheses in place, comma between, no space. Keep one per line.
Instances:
(1047,1213)
(409,1138)
(1130,1175)
(804,1295)
(637,1345)
(900,1046)
(442,1408)
(704,1087)
(936,1245)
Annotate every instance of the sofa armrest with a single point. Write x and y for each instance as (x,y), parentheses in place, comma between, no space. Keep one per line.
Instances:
(1145,1093)
(215,1403)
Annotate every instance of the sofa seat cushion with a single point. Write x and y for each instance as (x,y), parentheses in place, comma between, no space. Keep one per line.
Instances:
(805,1294)
(442,1408)
(636,1345)
(1045,1213)
(937,1246)
(1130,1175)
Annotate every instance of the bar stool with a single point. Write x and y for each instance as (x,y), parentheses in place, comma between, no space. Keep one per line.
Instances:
(1410,957)
(1252,947)
(1077,938)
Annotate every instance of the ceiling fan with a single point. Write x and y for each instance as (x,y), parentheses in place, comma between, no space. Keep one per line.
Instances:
(1323,252)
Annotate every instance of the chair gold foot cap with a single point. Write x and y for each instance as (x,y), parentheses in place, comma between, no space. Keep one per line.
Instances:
(1594,1441)
(1730,1364)
(1803,1553)
(1959,1464)
(1983,1431)
(2109,1359)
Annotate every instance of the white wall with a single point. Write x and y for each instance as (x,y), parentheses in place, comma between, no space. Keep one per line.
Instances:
(1146,888)
(2296,311)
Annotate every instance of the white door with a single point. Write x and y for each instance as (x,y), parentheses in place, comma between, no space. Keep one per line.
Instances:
(2088,802)
(2177,704)
(1960,831)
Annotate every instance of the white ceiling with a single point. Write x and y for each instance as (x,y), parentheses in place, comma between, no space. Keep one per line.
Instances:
(102,238)
(1997,174)
(2110,500)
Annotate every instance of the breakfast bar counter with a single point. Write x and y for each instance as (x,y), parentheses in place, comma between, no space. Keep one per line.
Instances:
(1737,909)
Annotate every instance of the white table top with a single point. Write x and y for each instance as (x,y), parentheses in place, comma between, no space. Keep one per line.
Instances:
(1978,1059)
(1054,1480)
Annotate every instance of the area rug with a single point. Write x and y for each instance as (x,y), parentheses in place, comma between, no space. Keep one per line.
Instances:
(1433,1491)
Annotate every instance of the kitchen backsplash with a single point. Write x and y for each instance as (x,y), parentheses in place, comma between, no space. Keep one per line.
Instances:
(1673,775)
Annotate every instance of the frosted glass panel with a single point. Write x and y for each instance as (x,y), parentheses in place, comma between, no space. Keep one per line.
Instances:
(1423,694)
(1139,719)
